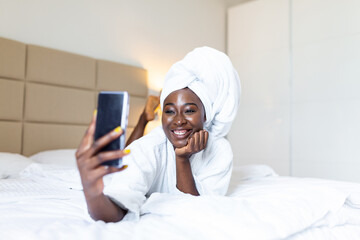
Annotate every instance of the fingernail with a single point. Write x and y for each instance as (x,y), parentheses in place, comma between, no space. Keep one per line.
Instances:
(125,166)
(127,151)
(95,112)
(118,129)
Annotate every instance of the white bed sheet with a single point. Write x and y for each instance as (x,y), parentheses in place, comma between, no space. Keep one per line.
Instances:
(47,203)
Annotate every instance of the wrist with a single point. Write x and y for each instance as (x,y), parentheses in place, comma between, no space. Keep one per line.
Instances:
(92,197)
(182,158)
(143,120)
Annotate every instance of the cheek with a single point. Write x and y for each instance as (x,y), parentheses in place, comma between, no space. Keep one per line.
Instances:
(165,120)
(197,121)
(166,123)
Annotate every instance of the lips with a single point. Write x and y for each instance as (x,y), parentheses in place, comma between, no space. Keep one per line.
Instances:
(181,133)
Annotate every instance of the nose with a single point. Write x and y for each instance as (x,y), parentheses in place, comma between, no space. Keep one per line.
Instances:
(179,120)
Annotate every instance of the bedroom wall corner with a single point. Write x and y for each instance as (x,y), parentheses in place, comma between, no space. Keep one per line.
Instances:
(315,79)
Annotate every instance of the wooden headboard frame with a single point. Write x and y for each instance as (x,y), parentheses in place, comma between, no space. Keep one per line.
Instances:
(47,96)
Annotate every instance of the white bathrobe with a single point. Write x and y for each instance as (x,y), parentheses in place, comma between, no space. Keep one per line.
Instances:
(152,169)
(152,165)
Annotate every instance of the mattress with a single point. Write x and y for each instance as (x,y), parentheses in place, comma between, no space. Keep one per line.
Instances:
(45,201)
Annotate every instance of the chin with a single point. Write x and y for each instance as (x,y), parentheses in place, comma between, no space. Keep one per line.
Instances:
(179,144)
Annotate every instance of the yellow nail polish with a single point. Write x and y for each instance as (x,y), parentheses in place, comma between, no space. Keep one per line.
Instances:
(127,151)
(125,166)
(95,112)
(118,129)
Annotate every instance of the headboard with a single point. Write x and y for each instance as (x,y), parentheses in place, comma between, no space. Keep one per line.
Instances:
(47,96)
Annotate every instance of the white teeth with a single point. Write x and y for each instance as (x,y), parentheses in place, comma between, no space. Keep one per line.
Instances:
(180,132)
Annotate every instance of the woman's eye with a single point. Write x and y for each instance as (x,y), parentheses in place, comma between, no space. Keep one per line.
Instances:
(190,111)
(169,111)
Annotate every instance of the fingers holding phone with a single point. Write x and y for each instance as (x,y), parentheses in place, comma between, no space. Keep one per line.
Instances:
(88,138)
(100,152)
(91,163)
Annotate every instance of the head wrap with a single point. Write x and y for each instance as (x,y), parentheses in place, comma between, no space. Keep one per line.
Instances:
(210,74)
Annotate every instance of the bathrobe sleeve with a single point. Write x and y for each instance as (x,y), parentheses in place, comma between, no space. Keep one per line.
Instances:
(128,188)
(212,170)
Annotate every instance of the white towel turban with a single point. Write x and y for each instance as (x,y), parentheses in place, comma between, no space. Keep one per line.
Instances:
(210,74)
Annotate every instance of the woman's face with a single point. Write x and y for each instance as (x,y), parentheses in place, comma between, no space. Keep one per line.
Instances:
(183,115)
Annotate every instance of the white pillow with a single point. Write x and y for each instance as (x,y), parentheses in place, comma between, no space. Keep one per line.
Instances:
(63,157)
(11,164)
(248,172)
(252,171)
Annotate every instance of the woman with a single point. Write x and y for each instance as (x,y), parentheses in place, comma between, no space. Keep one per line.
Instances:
(188,154)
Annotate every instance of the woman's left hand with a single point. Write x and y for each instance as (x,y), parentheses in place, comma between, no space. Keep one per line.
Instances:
(196,143)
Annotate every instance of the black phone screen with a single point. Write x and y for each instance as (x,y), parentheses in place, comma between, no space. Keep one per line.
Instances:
(112,112)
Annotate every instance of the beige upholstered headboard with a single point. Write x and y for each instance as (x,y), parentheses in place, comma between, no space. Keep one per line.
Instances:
(47,96)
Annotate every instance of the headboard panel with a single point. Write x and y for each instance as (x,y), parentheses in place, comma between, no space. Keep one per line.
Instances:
(43,136)
(47,96)
(11,136)
(60,68)
(12,59)
(12,76)
(53,104)
(11,99)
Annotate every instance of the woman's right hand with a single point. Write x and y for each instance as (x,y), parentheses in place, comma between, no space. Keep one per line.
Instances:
(89,160)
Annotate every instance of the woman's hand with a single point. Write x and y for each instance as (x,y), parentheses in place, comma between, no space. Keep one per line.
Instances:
(152,103)
(89,160)
(196,143)
(184,179)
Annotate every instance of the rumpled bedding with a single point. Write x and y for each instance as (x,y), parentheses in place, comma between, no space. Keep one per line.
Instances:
(47,202)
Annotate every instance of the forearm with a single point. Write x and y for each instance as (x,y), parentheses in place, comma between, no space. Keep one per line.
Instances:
(138,130)
(184,178)
(102,208)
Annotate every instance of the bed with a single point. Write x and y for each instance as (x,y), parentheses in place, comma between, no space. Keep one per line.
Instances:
(47,98)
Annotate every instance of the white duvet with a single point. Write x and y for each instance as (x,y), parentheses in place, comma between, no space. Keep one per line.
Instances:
(47,203)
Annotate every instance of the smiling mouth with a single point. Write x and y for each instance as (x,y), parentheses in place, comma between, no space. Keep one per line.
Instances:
(181,133)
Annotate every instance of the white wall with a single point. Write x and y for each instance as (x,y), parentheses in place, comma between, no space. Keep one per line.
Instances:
(258,45)
(149,33)
(326,80)
(323,118)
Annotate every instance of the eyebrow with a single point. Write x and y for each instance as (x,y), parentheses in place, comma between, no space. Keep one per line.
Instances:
(172,104)
(190,104)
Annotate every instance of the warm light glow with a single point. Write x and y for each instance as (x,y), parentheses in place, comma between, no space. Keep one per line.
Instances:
(155,82)
(155,123)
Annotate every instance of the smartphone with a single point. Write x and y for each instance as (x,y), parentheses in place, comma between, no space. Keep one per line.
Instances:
(112,111)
